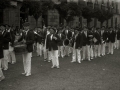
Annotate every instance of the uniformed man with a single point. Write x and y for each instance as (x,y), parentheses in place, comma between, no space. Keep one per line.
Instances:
(53,47)
(103,41)
(12,57)
(28,39)
(111,41)
(97,42)
(39,40)
(1,52)
(6,36)
(77,45)
(85,44)
(60,44)
(118,38)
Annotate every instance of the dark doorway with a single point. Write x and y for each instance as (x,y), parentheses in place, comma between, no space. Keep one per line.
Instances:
(1,16)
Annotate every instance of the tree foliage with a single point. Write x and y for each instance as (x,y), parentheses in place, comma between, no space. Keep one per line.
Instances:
(102,15)
(37,8)
(47,5)
(87,13)
(4,4)
(68,10)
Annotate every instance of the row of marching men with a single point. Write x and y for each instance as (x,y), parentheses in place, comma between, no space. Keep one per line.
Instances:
(53,43)
(7,54)
(86,43)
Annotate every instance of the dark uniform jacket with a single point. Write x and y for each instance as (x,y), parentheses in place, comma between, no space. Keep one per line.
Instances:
(29,40)
(7,39)
(103,36)
(1,46)
(118,35)
(98,38)
(62,37)
(84,39)
(12,37)
(53,44)
(39,38)
(78,40)
(111,36)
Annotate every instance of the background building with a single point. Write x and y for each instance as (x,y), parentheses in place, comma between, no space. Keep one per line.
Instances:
(14,15)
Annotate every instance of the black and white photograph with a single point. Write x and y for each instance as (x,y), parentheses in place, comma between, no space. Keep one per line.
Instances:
(59,44)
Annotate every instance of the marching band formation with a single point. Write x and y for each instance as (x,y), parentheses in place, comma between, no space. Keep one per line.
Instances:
(52,43)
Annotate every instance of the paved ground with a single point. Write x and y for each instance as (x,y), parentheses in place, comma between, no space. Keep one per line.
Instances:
(99,74)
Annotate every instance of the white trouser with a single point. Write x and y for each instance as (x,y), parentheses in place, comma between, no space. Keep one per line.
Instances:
(103,45)
(60,51)
(66,51)
(1,73)
(111,46)
(115,44)
(12,57)
(39,49)
(70,49)
(97,50)
(91,52)
(107,47)
(27,63)
(47,54)
(34,47)
(118,44)
(5,59)
(76,55)
(55,61)
(86,50)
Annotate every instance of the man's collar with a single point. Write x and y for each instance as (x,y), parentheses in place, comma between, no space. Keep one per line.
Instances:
(27,31)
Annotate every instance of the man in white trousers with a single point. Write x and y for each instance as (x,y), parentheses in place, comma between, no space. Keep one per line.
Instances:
(111,40)
(6,37)
(39,40)
(2,77)
(103,35)
(90,42)
(28,38)
(118,38)
(47,53)
(85,45)
(53,47)
(60,44)
(12,57)
(97,43)
(77,45)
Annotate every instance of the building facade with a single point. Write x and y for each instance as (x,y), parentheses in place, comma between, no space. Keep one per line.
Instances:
(13,16)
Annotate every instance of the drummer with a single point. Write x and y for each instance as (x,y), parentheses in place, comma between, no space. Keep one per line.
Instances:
(28,39)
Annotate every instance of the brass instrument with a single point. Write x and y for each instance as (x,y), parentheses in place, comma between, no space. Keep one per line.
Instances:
(66,42)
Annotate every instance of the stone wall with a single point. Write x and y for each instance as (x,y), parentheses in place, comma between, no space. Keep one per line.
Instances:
(53,18)
(11,16)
